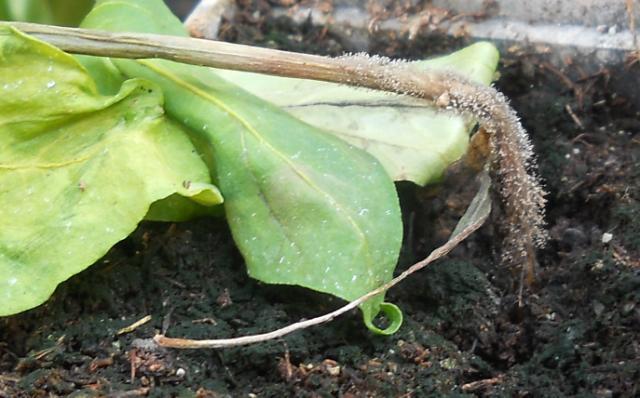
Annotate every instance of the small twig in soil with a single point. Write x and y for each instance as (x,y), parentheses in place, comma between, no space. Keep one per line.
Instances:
(43,353)
(574,117)
(134,326)
(138,392)
(208,321)
(482,384)
(133,359)
(99,363)
(285,367)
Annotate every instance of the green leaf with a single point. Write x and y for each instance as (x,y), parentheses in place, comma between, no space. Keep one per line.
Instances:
(305,208)
(174,208)
(5,13)
(78,170)
(69,12)
(57,12)
(26,10)
(413,142)
(104,73)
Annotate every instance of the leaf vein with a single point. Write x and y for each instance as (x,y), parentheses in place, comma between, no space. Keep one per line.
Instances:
(247,125)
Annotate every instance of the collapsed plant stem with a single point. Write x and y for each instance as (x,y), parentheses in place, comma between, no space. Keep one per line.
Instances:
(512,156)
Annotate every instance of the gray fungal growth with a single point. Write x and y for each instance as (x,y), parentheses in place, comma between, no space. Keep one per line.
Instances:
(512,158)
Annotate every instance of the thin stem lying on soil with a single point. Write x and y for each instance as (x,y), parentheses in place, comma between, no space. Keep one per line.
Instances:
(474,218)
(512,156)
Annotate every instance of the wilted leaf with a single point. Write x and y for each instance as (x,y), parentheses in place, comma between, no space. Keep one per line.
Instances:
(305,208)
(413,142)
(78,171)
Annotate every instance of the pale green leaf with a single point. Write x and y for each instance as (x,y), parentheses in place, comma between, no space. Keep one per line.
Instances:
(78,170)
(104,73)
(412,141)
(176,207)
(305,208)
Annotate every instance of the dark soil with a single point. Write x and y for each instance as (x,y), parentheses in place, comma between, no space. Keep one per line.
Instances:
(576,334)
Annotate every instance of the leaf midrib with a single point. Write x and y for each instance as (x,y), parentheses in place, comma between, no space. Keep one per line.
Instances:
(247,125)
